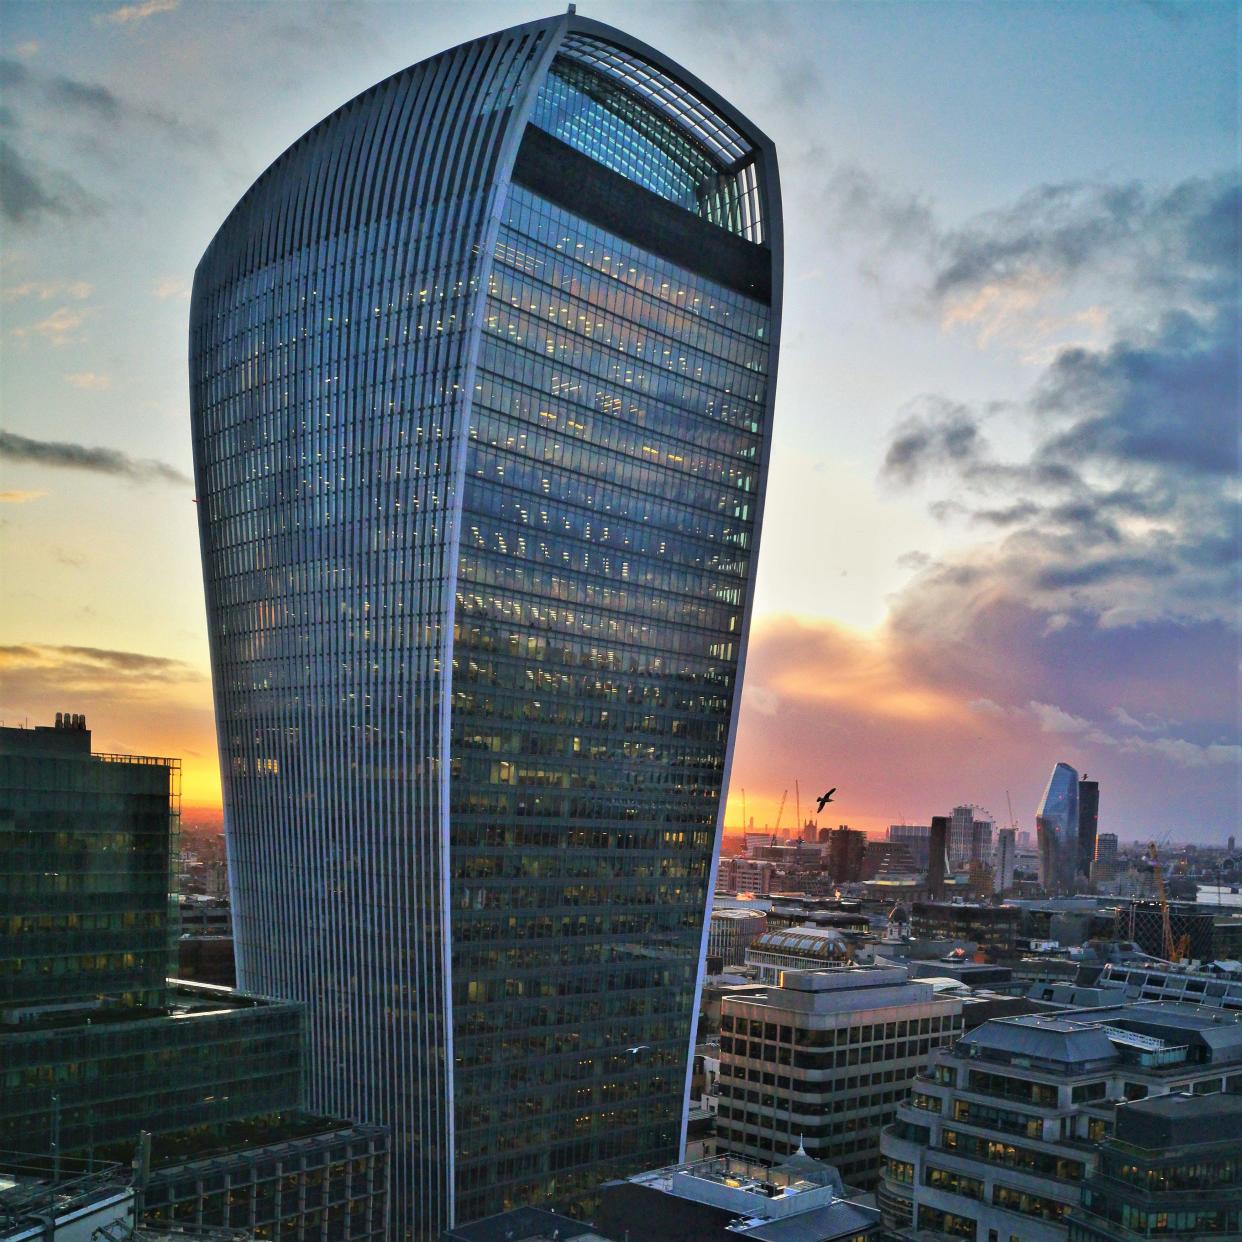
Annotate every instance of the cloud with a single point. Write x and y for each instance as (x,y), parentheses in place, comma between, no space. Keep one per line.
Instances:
(20,497)
(69,456)
(58,328)
(44,290)
(127,14)
(936,433)
(171,287)
(91,381)
(31,670)
(1053,720)
(29,193)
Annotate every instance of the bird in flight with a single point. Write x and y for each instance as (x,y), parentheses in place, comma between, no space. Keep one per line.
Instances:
(641,1048)
(825,799)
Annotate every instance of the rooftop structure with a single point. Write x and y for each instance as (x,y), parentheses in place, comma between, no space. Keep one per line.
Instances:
(733,1197)
(798,948)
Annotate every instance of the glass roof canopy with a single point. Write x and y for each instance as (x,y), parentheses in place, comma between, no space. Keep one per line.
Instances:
(702,122)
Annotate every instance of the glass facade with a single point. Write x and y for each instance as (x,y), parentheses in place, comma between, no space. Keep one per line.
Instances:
(481,381)
(86,847)
(207,1061)
(1056,824)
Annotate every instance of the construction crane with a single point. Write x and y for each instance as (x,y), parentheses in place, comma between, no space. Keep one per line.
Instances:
(780,810)
(1174,950)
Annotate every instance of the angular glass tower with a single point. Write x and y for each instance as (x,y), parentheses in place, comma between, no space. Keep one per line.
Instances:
(481,376)
(1056,825)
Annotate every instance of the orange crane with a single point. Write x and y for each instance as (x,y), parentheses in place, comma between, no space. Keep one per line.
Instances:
(1174,950)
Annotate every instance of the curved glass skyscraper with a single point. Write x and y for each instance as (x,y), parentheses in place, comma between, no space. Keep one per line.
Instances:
(1056,825)
(481,383)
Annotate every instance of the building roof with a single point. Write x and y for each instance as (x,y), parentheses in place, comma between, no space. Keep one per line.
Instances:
(806,941)
(840,1219)
(1166,1121)
(525,1224)
(1042,1038)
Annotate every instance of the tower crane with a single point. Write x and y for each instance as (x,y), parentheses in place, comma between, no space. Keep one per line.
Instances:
(780,810)
(1174,950)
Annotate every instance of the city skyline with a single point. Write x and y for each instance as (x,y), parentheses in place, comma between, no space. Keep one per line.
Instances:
(1004,525)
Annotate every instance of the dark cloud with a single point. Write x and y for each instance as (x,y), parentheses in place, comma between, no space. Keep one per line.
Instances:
(938,433)
(1183,237)
(1172,403)
(98,106)
(79,661)
(69,456)
(24,194)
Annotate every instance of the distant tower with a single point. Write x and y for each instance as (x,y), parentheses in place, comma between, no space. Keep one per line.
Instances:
(1006,857)
(1056,823)
(938,856)
(1088,823)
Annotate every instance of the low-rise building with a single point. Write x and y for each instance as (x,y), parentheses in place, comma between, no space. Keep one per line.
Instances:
(729,1197)
(1003,1127)
(993,928)
(823,1060)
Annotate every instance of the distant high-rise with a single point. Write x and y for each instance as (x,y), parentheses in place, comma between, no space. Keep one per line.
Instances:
(482,372)
(938,855)
(846,847)
(1005,860)
(1104,867)
(1088,823)
(916,838)
(1056,823)
(970,837)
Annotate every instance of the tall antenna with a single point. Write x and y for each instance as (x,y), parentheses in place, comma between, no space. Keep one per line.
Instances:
(798,807)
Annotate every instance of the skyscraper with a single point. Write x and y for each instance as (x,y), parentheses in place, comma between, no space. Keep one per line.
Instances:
(1056,823)
(1088,823)
(481,386)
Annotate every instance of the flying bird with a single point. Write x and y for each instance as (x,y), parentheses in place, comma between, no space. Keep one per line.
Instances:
(641,1048)
(825,799)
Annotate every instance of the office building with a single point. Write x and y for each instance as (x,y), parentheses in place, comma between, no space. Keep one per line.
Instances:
(915,837)
(970,837)
(938,856)
(731,932)
(110,1051)
(85,848)
(728,1197)
(846,848)
(1056,825)
(1088,823)
(887,860)
(481,389)
(822,1060)
(290,1179)
(993,929)
(1002,1129)
(745,875)
(1170,1169)
(1006,860)
(1104,867)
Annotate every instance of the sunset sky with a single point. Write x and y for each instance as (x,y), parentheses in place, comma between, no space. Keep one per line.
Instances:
(1003,518)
